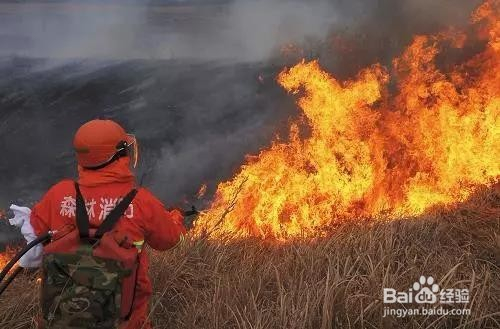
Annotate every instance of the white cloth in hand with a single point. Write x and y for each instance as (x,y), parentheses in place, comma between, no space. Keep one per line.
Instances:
(33,258)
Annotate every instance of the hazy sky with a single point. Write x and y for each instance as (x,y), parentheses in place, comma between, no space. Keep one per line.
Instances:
(246,30)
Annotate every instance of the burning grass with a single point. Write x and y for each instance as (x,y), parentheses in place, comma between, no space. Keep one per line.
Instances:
(6,255)
(334,281)
(392,142)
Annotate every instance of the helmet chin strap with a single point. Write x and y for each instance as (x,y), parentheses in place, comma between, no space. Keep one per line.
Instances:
(122,152)
(105,164)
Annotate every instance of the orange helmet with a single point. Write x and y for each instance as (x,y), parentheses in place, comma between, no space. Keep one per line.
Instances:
(100,142)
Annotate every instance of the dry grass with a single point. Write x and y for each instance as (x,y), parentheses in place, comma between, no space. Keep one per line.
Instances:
(332,282)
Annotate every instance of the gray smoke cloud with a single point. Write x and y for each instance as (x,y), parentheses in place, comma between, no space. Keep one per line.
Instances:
(241,30)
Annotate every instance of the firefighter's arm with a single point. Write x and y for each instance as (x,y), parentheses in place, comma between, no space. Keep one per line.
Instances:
(164,229)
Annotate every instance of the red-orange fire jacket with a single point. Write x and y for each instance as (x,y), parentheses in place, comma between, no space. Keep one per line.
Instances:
(146,219)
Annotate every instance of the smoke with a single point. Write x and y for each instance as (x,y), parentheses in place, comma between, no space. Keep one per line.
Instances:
(254,30)
(241,30)
(69,30)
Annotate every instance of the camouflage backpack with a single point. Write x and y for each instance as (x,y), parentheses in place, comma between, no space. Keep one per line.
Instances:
(88,278)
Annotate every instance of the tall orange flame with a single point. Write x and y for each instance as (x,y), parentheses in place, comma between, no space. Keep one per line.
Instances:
(371,152)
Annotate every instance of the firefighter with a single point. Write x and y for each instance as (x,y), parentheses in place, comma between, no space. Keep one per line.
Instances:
(105,154)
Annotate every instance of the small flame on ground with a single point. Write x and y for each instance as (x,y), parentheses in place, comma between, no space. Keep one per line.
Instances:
(202,191)
(6,256)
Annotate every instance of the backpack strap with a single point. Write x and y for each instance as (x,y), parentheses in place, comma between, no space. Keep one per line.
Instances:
(115,214)
(82,217)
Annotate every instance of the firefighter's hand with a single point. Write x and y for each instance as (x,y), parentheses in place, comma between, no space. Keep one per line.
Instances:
(190,217)
(21,219)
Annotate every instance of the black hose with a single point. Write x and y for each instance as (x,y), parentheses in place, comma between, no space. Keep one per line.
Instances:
(9,279)
(20,254)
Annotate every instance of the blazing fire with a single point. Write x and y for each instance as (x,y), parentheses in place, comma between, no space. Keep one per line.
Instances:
(363,150)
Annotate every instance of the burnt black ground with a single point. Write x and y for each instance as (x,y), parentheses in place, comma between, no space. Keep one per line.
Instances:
(209,114)
(194,122)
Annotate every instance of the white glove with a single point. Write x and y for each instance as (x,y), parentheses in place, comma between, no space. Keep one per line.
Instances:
(33,258)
